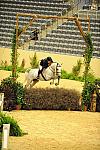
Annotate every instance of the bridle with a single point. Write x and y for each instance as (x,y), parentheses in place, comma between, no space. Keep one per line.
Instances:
(53,70)
(58,65)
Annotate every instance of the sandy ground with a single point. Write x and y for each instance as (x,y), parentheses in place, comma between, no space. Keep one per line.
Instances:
(57,130)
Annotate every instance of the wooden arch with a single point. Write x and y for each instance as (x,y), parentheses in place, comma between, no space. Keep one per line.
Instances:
(34,17)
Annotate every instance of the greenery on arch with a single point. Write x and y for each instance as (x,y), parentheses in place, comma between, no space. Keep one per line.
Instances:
(87,88)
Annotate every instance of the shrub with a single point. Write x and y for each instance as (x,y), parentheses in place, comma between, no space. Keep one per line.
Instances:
(76,69)
(71,76)
(33,61)
(90,77)
(51,99)
(4,63)
(65,75)
(23,63)
(15,130)
(14,93)
(87,93)
(21,69)
(7,68)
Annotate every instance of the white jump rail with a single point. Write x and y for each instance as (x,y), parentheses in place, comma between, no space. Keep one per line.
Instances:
(1,101)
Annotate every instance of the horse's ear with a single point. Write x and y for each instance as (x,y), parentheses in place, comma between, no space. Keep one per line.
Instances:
(61,64)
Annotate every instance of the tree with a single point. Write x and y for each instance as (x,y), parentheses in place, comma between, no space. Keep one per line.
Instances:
(77,68)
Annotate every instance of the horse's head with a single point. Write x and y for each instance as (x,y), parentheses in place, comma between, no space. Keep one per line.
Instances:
(56,68)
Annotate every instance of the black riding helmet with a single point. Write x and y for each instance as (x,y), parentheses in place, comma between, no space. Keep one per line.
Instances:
(49,59)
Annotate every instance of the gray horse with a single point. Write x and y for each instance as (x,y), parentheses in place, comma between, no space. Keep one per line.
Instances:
(52,72)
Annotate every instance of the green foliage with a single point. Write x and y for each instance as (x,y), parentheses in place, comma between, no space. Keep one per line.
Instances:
(64,74)
(22,64)
(89,49)
(4,63)
(87,59)
(21,69)
(33,61)
(88,55)
(14,56)
(90,77)
(76,69)
(70,76)
(14,93)
(7,68)
(15,130)
(87,93)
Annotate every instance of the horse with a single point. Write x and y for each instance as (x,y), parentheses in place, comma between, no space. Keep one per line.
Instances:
(50,73)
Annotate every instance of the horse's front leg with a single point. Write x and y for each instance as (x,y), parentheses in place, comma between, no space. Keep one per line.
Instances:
(58,81)
(52,82)
(33,83)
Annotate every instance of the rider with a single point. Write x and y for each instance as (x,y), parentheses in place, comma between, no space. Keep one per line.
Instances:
(45,63)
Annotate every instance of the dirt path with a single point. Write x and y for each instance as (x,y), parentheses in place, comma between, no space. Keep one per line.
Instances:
(57,130)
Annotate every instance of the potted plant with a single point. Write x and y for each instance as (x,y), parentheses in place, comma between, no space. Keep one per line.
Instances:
(18,104)
(19,96)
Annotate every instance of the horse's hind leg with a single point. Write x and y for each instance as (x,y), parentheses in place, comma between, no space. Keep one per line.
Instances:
(33,83)
(28,83)
(52,82)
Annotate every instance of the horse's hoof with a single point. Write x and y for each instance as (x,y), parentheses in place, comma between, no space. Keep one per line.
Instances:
(51,83)
(56,84)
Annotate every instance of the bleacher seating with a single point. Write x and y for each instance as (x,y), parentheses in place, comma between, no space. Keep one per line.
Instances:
(65,39)
(9,8)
